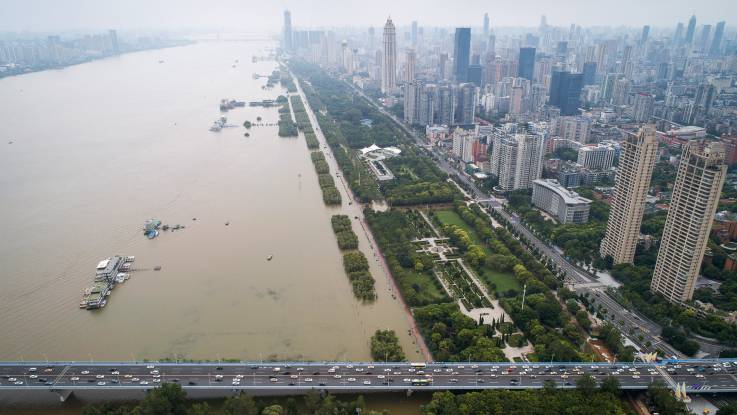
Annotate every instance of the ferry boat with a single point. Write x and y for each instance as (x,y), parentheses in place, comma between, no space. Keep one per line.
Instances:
(107,275)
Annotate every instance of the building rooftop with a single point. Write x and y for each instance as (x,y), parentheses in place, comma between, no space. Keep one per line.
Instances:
(568,196)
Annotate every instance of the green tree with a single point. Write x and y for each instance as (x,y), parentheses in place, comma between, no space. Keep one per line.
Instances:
(168,399)
(273,410)
(242,404)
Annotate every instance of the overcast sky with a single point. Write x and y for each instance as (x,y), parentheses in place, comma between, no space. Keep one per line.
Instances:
(251,15)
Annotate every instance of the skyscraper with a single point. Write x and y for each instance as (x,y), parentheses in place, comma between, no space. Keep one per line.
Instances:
(716,43)
(445,113)
(589,73)
(413,33)
(443,61)
(678,34)
(461,53)
(389,59)
(486,25)
(287,36)
(466,108)
(412,93)
(691,30)
(699,181)
(645,34)
(628,200)
(565,91)
(526,66)
(409,65)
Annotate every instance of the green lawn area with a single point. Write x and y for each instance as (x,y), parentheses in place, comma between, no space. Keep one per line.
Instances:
(503,280)
(424,287)
(448,217)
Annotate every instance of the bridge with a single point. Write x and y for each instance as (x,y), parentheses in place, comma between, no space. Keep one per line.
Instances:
(260,378)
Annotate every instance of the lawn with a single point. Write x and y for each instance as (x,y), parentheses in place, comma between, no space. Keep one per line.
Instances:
(503,280)
(425,288)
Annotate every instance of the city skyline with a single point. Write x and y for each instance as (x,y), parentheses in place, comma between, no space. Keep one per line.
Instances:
(234,15)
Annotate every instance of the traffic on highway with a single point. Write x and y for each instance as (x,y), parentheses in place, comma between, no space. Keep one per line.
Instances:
(698,375)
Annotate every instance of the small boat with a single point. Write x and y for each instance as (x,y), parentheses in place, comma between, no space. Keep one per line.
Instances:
(268,258)
(157,268)
(227,223)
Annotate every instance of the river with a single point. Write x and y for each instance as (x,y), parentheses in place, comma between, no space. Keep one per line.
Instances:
(98,148)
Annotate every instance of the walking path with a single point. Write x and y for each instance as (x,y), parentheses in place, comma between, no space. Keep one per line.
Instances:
(353,208)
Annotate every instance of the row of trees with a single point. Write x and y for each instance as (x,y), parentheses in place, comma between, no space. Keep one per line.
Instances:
(170,399)
(385,347)
(357,268)
(347,239)
(330,193)
(287,127)
(586,399)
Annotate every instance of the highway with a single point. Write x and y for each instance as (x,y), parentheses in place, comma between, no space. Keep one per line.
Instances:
(576,278)
(700,376)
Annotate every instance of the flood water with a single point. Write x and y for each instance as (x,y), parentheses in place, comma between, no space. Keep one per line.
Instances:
(100,147)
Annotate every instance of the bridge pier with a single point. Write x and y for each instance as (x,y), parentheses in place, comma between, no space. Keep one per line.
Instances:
(409,392)
(63,394)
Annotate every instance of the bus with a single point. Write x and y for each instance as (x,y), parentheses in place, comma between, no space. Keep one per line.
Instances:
(419,365)
(421,382)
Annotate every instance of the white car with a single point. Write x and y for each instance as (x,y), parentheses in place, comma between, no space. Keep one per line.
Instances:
(85,372)
(74,379)
(100,376)
(351,379)
(700,376)
(157,380)
(635,376)
(380,376)
(370,366)
(101,383)
(143,382)
(115,373)
(33,376)
(33,369)
(366,382)
(308,379)
(150,367)
(331,370)
(337,376)
(294,376)
(20,382)
(299,369)
(154,372)
(218,376)
(128,376)
(135,380)
(274,380)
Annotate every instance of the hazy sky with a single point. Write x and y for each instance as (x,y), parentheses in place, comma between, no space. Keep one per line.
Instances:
(251,15)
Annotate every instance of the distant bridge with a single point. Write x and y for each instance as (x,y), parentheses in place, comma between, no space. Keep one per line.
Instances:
(113,379)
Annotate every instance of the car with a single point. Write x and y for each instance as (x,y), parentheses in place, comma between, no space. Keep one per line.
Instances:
(218,376)
(154,372)
(128,376)
(191,383)
(32,369)
(49,383)
(100,376)
(358,369)
(299,369)
(370,366)
(380,376)
(474,366)
(115,372)
(635,376)
(219,368)
(33,376)
(143,382)
(331,370)
(135,380)
(322,383)
(294,376)
(308,379)
(115,381)
(273,380)
(85,372)
(236,382)
(74,378)
(436,370)
(397,373)
(156,376)
(700,376)
(150,367)
(366,382)
(101,383)
(19,382)
(48,370)
(351,379)
(453,380)
(492,375)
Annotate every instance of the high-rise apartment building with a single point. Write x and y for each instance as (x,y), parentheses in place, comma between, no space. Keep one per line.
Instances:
(596,157)
(389,59)
(643,107)
(461,53)
(635,170)
(516,159)
(287,38)
(446,99)
(716,42)
(486,26)
(691,30)
(694,200)
(526,66)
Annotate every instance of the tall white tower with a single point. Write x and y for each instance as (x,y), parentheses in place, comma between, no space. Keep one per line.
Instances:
(389,62)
